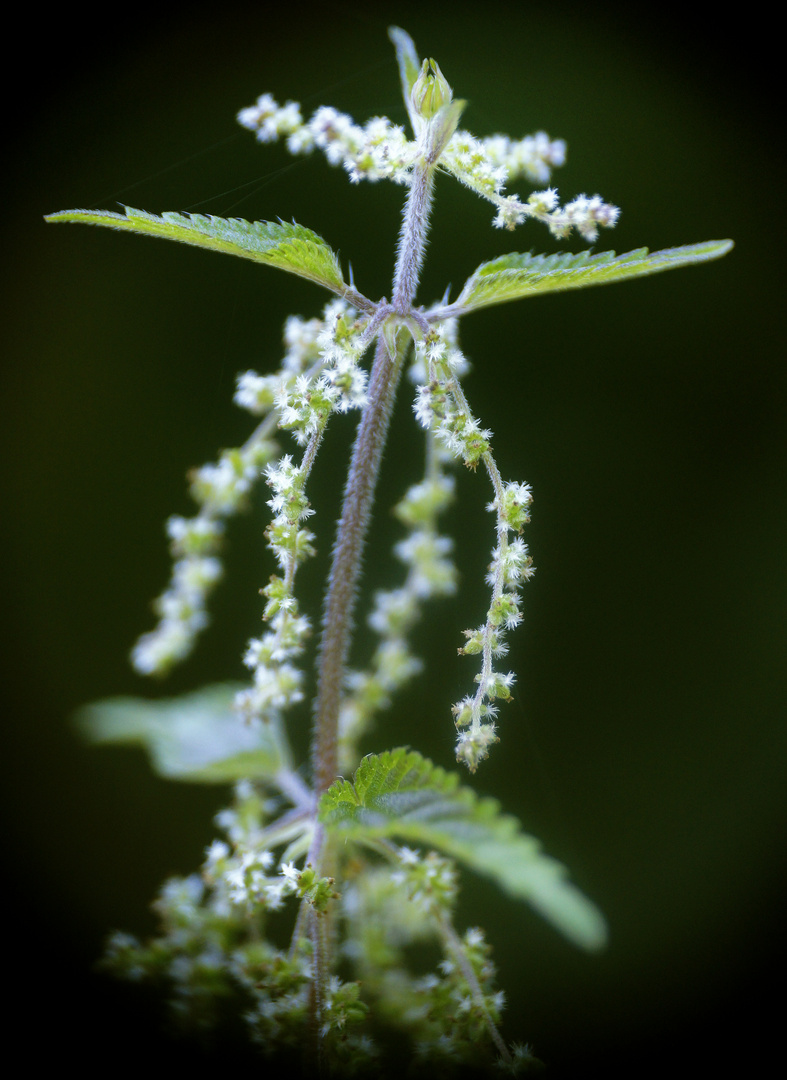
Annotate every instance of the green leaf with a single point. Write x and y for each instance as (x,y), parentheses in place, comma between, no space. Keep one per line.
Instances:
(289,247)
(197,737)
(401,794)
(513,276)
(442,127)
(409,65)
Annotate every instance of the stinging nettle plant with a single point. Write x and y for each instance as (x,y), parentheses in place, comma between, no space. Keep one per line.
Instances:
(367,866)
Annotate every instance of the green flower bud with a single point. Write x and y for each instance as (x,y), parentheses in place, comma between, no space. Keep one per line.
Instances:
(430,90)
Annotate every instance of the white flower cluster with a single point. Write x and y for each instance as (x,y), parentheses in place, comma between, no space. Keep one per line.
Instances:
(430,880)
(304,404)
(533,157)
(277,683)
(441,406)
(463,1004)
(340,341)
(511,565)
(240,878)
(585,214)
(464,990)
(331,346)
(270,120)
(222,488)
(194,542)
(486,165)
(179,899)
(320,374)
(431,572)
(458,1001)
(244,873)
(470,161)
(335,383)
(381,150)
(181,608)
(258,393)
(288,541)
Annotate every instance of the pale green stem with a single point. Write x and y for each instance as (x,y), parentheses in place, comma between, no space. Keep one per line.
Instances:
(497,587)
(307,462)
(502,543)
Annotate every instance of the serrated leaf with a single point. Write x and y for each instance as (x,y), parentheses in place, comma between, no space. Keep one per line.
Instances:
(289,247)
(513,276)
(402,795)
(198,737)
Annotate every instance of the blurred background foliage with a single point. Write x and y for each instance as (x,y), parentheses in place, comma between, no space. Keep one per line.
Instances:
(646,745)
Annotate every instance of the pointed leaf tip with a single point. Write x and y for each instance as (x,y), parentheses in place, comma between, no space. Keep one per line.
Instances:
(409,66)
(518,275)
(407,57)
(289,247)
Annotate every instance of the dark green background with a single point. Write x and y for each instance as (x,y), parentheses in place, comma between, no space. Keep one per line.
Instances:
(646,745)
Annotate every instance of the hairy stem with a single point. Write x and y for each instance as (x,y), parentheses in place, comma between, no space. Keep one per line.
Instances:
(346,565)
(359,492)
(348,549)
(412,238)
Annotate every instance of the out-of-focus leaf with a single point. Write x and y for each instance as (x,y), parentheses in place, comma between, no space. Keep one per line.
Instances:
(197,737)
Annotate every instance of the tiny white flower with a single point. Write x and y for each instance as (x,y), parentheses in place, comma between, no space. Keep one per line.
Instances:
(408,856)
(217,851)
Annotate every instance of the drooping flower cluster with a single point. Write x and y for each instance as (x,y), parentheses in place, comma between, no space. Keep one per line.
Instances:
(194,544)
(442,408)
(304,405)
(320,374)
(430,573)
(584,214)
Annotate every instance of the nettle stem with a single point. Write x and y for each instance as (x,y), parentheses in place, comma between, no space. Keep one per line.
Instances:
(348,551)
(359,492)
